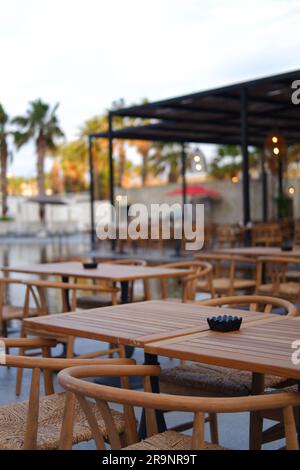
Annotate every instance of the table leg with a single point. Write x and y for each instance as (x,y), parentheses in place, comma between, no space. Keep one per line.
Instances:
(256,420)
(151,360)
(67,297)
(298,417)
(124,292)
(65,279)
(129,350)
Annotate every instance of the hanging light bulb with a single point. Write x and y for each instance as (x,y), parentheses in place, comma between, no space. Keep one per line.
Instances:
(275,150)
(199,161)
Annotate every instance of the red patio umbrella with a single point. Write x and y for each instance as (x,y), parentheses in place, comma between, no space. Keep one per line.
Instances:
(196,191)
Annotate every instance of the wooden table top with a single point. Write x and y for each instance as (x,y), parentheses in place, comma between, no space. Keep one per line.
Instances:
(104,271)
(135,323)
(264,347)
(257,251)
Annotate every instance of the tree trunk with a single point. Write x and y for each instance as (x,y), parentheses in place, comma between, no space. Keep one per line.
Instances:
(3,152)
(145,168)
(41,149)
(121,165)
(173,173)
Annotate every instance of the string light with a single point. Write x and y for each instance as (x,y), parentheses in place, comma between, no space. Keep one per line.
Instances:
(291,190)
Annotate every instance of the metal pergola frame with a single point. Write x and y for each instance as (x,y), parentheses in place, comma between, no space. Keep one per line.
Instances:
(239,114)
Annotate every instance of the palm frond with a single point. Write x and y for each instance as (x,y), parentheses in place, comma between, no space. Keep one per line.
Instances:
(21,138)
(20,121)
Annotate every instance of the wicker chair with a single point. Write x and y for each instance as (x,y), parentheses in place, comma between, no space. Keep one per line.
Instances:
(266,234)
(228,275)
(200,272)
(37,290)
(9,312)
(36,423)
(228,235)
(276,277)
(71,380)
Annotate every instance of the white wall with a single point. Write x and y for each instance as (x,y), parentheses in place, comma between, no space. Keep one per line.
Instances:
(75,216)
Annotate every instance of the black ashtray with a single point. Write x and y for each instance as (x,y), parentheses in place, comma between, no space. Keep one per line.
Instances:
(287,246)
(224,323)
(90,265)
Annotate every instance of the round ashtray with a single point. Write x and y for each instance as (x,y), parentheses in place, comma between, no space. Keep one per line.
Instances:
(224,323)
(90,265)
(286,247)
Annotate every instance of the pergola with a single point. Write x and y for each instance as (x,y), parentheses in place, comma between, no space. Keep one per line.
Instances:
(239,114)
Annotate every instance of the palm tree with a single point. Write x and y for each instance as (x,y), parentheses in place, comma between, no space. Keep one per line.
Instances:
(166,158)
(4,119)
(143,147)
(228,161)
(40,124)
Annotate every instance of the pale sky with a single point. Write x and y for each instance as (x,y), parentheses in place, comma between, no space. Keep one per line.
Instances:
(87,53)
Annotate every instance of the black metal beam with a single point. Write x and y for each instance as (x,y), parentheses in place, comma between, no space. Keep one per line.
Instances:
(92,192)
(245,155)
(264,188)
(226,89)
(183,173)
(111,169)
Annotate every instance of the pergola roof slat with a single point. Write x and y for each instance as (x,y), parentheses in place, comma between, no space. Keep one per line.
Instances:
(215,114)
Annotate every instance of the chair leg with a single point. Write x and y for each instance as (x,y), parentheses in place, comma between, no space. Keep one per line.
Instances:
(256,418)
(70,347)
(256,425)
(213,426)
(19,376)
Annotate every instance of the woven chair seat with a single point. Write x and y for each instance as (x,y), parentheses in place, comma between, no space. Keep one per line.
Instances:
(13,423)
(285,289)
(169,440)
(94,301)
(203,380)
(10,312)
(223,284)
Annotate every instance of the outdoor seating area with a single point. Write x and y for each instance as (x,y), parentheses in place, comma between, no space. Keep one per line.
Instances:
(149,233)
(112,319)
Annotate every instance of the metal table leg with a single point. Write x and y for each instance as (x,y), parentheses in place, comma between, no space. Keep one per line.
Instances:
(151,360)
(67,297)
(129,350)
(298,417)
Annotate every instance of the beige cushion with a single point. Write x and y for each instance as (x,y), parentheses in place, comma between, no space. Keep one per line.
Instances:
(286,289)
(207,380)
(169,440)
(223,284)
(10,312)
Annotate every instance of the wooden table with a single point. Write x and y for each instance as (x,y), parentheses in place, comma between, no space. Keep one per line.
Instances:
(260,347)
(136,324)
(257,251)
(105,271)
(264,347)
